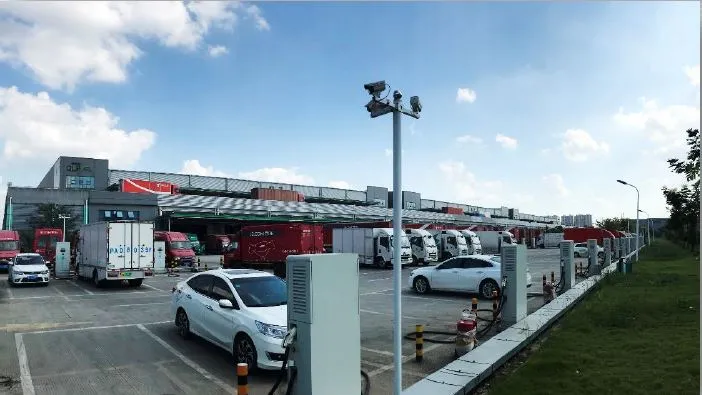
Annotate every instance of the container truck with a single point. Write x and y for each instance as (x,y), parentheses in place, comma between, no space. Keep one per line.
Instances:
(179,251)
(473,241)
(116,251)
(329,229)
(9,247)
(450,243)
(423,246)
(44,244)
(374,246)
(581,235)
(270,245)
(493,240)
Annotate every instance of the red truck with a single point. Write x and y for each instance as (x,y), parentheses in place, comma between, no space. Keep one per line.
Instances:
(581,235)
(179,251)
(217,244)
(9,247)
(45,240)
(271,245)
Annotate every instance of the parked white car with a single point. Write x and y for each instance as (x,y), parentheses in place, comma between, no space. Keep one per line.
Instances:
(243,311)
(474,273)
(580,251)
(28,268)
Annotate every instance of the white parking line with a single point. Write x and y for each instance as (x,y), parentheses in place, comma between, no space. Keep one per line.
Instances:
(154,288)
(25,375)
(139,304)
(58,291)
(188,361)
(79,287)
(380,292)
(406,358)
(388,314)
(380,279)
(87,328)
(381,352)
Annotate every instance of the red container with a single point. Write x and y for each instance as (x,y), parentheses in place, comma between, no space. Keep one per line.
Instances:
(452,210)
(282,195)
(144,186)
(581,235)
(273,243)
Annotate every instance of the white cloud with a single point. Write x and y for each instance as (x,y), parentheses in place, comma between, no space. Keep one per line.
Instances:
(217,50)
(579,146)
(464,186)
(506,142)
(469,139)
(340,185)
(465,95)
(268,174)
(693,74)
(66,43)
(35,129)
(555,182)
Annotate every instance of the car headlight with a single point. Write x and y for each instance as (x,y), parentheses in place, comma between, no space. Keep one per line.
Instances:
(271,330)
(18,272)
(177,258)
(45,272)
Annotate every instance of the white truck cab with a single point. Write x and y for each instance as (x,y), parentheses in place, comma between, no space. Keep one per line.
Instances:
(451,243)
(474,246)
(374,246)
(424,249)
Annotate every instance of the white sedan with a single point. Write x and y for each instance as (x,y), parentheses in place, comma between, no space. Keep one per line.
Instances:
(28,268)
(474,273)
(243,311)
(580,250)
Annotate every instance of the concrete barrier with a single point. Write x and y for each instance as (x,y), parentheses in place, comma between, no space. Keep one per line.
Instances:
(467,372)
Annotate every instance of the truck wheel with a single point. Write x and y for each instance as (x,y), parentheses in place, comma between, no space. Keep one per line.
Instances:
(136,283)
(380,262)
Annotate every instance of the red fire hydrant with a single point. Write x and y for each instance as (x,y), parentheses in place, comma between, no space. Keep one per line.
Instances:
(466,329)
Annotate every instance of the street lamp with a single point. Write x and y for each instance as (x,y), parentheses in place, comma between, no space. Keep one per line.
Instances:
(378,106)
(648,226)
(637,216)
(64,218)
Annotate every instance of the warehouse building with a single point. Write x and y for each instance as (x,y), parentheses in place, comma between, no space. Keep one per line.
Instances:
(94,192)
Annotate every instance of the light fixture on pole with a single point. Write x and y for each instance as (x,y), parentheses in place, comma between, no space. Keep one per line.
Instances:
(637,216)
(648,226)
(378,106)
(64,218)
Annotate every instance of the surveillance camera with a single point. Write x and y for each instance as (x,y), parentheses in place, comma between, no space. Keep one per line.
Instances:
(375,88)
(415,104)
(397,95)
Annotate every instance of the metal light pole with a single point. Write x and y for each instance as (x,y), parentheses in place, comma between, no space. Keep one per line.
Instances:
(648,226)
(64,218)
(637,216)
(377,107)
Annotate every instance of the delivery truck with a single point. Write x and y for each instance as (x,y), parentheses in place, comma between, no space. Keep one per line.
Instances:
(374,246)
(549,240)
(270,245)
(424,250)
(473,242)
(450,242)
(116,251)
(9,247)
(179,250)
(493,240)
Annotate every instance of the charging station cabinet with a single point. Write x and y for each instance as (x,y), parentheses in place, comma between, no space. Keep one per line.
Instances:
(324,309)
(62,269)
(159,257)
(606,244)
(568,263)
(513,270)
(593,263)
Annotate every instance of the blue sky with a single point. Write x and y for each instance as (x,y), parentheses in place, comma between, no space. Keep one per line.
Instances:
(285,102)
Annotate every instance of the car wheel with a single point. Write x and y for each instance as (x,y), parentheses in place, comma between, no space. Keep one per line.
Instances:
(421,285)
(245,351)
(183,324)
(487,287)
(136,283)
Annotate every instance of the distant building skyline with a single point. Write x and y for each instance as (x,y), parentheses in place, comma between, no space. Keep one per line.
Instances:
(578,220)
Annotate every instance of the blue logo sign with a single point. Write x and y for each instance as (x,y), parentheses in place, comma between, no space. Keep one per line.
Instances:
(122,249)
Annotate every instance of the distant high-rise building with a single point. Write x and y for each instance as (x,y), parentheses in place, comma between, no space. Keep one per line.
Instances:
(578,220)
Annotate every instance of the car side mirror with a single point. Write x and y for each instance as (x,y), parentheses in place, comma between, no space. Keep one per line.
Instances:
(226,304)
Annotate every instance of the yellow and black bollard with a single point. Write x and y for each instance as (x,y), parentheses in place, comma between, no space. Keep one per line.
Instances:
(474,305)
(242,378)
(543,283)
(419,343)
(494,304)
(198,263)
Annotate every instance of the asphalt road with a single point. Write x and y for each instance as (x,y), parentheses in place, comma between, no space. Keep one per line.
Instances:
(72,338)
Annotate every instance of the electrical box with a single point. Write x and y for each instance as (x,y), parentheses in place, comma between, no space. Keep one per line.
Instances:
(513,270)
(63,260)
(606,244)
(159,256)
(592,257)
(568,264)
(324,309)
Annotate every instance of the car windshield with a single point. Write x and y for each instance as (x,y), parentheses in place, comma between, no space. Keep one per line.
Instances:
(261,291)
(462,241)
(9,245)
(29,260)
(475,240)
(181,245)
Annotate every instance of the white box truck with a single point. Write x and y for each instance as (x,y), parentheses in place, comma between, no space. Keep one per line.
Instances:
(474,246)
(374,246)
(116,251)
(493,240)
(424,249)
(450,243)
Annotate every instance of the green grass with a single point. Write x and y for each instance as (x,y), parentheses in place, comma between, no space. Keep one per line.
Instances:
(636,334)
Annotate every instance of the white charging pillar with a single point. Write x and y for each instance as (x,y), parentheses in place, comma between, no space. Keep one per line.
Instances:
(533,242)
(593,263)
(326,314)
(615,248)
(514,272)
(568,263)
(607,245)
(159,257)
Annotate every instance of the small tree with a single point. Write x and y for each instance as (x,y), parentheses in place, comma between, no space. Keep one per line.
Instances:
(47,216)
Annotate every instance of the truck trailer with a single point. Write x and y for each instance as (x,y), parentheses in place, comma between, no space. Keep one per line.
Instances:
(270,245)
(374,246)
(493,240)
(581,235)
(423,245)
(116,251)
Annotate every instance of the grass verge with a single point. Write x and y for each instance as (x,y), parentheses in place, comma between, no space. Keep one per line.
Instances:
(636,334)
